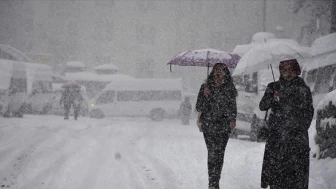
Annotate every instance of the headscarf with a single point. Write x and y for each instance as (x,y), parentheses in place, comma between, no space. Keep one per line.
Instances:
(294,63)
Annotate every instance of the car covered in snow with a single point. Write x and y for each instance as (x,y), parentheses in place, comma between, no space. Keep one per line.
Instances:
(326,126)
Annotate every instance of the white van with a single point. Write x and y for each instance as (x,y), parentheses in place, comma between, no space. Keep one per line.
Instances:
(13,87)
(156,98)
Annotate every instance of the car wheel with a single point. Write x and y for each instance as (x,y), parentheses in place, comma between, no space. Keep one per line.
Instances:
(96,113)
(157,114)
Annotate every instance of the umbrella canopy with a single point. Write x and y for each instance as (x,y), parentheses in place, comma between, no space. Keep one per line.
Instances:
(205,58)
(271,53)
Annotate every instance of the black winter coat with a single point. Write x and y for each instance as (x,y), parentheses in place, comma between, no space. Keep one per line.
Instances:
(286,157)
(70,96)
(218,108)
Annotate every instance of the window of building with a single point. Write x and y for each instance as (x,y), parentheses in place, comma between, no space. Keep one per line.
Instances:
(323,79)
(18,85)
(148,95)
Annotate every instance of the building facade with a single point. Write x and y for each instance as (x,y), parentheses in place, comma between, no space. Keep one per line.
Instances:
(141,36)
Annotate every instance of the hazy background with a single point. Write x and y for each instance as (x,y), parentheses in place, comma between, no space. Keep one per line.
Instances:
(141,36)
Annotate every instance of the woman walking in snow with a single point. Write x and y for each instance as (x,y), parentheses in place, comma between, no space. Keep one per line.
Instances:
(216,102)
(286,157)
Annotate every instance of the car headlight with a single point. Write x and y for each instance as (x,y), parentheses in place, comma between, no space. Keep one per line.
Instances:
(92,105)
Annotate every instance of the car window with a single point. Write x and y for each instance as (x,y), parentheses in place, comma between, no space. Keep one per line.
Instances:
(149,95)
(106,97)
(323,79)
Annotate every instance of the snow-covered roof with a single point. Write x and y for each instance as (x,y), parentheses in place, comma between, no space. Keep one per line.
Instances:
(324,44)
(331,96)
(106,67)
(146,85)
(18,55)
(76,64)
(262,37)
(91,76)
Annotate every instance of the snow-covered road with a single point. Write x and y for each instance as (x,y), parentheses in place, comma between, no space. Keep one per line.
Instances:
(40,152)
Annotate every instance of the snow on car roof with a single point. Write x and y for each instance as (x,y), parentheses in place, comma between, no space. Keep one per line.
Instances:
(107,67)
(320,61)
(146,84)
(330,97)
(91,76)
(324,44)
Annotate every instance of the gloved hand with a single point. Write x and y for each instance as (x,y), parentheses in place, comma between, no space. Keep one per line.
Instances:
(233,124)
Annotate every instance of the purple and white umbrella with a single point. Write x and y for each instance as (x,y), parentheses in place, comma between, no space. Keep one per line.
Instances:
(205,58)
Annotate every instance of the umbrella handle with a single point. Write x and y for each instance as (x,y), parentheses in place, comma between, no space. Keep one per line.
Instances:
(272,72)
(208,69)
(170,68)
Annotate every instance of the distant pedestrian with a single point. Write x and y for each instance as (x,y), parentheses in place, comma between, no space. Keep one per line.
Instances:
(216,102)
(286,156)
(71,97)
(185,110)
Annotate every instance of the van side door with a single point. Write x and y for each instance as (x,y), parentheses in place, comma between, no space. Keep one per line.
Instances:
(106,103)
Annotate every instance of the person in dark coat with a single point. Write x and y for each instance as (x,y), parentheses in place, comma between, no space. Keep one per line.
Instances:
(185,110)
(71,97)
(286,156)
(217,104)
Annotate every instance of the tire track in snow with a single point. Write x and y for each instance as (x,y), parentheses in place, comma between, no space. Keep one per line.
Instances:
(153,171)
(71,143)
(15,166)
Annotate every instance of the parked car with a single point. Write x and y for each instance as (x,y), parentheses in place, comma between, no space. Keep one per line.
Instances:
(57,109)
(326,126)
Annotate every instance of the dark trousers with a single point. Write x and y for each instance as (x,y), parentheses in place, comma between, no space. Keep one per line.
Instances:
(216,144)
(76,108)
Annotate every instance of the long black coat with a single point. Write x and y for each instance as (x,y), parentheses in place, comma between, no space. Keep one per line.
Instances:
(286,157)
(218,108)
